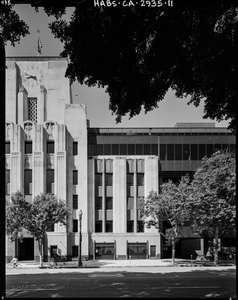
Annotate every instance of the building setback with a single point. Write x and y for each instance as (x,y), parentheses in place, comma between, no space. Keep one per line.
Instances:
(50,148)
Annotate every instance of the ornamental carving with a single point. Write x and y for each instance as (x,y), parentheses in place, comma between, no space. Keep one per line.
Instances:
(8,130)
(28,162)
(28,126)
(42,88)
(50,162)
(50,126)
(7,163)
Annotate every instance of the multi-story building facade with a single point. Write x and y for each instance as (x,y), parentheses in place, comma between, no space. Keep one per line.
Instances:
(50,148)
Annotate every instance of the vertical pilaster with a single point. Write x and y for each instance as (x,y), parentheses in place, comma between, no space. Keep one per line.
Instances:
(41,105)
(38,172)
(119,195)
(60,167)
(135,196)
(22,105)
(103,197)
(151,181)
(16,174)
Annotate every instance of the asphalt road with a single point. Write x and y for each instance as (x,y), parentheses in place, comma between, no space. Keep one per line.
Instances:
(140,282)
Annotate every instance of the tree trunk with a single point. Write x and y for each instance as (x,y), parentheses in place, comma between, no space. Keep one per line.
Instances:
(216,246)
(40,244)
(173,251)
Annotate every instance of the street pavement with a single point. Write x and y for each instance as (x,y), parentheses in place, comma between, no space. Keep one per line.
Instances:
(181,265)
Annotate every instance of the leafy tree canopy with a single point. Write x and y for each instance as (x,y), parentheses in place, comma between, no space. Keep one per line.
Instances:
(11,27)
(214,194)
(138,53)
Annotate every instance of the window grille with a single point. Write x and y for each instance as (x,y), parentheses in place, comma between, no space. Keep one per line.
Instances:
(32,109)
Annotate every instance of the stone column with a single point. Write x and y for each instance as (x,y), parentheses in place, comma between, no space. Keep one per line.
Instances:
(38,172)
(151,181)
(41,105)
(17,161)
(119,195)
(22,105)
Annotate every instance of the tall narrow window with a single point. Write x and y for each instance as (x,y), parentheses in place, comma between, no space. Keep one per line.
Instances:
(32,109)
(7,148)
(75,225)
(75,177)
(28,182)
(7,182)
(50,147)
(50,181)
(28,147)
(75,201)
(75,148)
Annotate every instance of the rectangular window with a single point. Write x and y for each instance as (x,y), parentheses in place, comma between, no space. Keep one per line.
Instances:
(28,147)
(107,149)
(75,251)
(109,226)
(7,148)
(130,179)
(194,152)
(209,150)
(202,151)
(130,203)
(75,201)
(75,148)
(162,152)
(108,180)
(154,149)
(32,109)
(225,147)
(115,149)
(130,226)
(75,177)
(139,149)
(186,151)
(7,182)
(170,151)
(98,203)
(98,180)
(131,149)
(123,149)
(28,182)
(140,226)
(109,203)
(140,179)
(146,149)
(75,225)
(178,151)
(50,147)
(100,149)
(217,147)
(50,181)
(98,226)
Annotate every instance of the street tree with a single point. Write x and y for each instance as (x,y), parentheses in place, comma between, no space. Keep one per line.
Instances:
(213,201)
(37,217)
(16,213)
(138,53)
(170,205)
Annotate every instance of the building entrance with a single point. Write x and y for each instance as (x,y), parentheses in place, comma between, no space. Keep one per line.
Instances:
(25,249)
(137,250)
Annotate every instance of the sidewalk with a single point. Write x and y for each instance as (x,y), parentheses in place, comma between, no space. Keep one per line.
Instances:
(127,263)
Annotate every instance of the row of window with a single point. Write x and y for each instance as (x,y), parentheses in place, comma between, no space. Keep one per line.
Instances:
(165,151)
(50,147)
(50,179)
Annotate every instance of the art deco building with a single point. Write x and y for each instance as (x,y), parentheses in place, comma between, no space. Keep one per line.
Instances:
(51,148)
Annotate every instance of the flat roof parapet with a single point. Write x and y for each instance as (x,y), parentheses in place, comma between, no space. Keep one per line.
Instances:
(195,125)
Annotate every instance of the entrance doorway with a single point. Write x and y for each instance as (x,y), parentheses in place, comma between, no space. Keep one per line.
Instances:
(25,249)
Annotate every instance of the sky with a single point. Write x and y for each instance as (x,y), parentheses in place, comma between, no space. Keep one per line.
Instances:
(171,110)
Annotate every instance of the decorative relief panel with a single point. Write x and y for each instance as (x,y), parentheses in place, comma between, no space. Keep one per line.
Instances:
(8,131)
(8,162)
(50,127)
(50,162)
(37,153)
(28,162)
(60,153)
(15,153)
(28,128)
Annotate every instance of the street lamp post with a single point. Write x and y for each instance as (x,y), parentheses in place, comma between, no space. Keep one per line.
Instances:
(80,238)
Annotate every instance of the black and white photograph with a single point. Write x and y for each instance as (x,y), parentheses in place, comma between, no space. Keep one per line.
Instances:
(120,148)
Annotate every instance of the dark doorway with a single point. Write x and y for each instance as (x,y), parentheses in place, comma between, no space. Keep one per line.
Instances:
(53,251)
(137,250)
(152,250)
(26,249)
